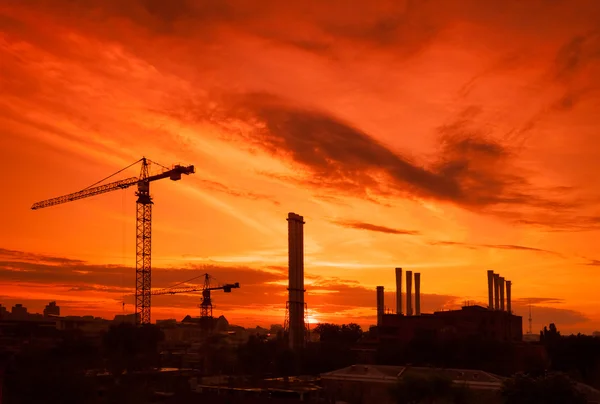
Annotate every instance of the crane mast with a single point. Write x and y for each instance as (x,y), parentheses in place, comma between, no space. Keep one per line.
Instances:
(143,247)
(143,262)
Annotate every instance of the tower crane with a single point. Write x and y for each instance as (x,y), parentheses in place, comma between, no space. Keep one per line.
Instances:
(206,302)
(143,279)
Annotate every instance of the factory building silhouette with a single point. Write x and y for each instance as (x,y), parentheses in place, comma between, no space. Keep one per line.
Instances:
(496,322)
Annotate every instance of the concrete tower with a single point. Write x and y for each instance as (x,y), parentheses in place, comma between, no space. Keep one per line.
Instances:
(380,305)
(398,290)
(296,280)
(508,302)
(409,293)
(501,279)
(490,275)
(496,292)
(418,293)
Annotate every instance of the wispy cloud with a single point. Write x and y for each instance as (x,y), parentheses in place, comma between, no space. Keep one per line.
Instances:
(39,258)
(494,246)
(217,186)
(538,300)
(110,283)
(373,227)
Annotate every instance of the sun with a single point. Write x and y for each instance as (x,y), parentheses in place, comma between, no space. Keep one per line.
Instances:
(312,319)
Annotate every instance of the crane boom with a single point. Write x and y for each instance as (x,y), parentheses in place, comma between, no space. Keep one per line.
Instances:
(174,174)
(122,184)
(143,224)
(172,291)
(175,291)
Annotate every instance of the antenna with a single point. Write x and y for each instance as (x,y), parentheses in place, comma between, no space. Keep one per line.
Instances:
(530,320)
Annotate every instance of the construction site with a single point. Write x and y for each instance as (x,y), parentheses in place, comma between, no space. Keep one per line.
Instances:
(495,321)
(222,361)
(295,324)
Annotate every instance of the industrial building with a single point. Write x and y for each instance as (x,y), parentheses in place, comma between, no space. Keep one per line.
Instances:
(496,322)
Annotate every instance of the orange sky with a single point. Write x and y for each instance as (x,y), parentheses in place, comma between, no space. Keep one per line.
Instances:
(447,137)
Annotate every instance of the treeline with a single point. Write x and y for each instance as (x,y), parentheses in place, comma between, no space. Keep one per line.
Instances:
(576,355)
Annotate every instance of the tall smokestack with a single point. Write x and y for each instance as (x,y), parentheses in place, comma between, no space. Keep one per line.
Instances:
(501,279)
(409,293)
(398,290)
(380,304)
(296,280)
(418,294)
(490,275)
(508,302)
(496,292)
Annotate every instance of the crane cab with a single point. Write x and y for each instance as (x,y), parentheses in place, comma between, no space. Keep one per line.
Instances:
(227,288)
(178,170)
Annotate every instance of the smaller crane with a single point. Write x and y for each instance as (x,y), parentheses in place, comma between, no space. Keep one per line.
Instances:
(206,302)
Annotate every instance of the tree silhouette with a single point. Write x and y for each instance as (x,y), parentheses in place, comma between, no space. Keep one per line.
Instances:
(549,336)
(577,355)
(551,389)
(339,334)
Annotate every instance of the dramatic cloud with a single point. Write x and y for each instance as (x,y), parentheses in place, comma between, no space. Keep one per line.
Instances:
(373,227)
(473,170)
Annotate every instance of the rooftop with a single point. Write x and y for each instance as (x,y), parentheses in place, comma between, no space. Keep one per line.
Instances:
(393,373)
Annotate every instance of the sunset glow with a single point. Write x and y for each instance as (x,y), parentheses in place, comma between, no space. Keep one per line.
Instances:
(447,137)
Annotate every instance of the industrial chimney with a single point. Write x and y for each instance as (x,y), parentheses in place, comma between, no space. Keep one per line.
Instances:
(501,279)
(380,306)
(490,275)
(409,293)
(418,294)
(296,280)
(398,290)
(508,302)
(496,292)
